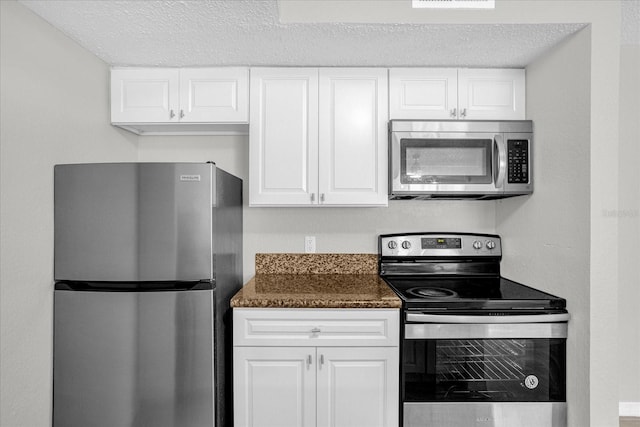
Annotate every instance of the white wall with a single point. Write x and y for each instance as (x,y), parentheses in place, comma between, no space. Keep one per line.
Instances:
(546,237)
(598,361)
(54,109)
(338,230)
(628,215)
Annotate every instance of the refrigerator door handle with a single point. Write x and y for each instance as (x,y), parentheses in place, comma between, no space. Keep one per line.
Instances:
(88,286)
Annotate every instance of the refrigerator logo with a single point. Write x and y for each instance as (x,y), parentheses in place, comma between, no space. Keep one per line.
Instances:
(189,177)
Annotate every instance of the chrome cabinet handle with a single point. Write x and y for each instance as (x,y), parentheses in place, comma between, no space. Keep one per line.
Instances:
(463,113)
(315,331)
(171,114)
(313,197)
(308,361)
(453,112)
(321,197)
(181,114)
(321,361)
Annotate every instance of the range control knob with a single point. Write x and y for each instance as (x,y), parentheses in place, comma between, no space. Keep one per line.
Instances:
(406,244)
(491,244)
(477,244)
(392,244)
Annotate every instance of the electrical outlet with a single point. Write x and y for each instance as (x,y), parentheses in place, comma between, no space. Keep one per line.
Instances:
(310,244)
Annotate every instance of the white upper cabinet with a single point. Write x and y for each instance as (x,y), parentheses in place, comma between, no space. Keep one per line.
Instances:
(144,95)
(456,94)
(214,95)
(318,137)
(421,93)
(283,137)
(180,100)
(491,94)
(353,137)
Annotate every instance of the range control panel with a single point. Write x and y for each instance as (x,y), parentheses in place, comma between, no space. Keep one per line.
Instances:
(518,161)
(439,245)
(441,242)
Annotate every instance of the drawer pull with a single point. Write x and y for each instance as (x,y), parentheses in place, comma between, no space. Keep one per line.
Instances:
(316,331)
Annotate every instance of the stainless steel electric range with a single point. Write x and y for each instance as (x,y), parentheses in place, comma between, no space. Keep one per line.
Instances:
(478,349)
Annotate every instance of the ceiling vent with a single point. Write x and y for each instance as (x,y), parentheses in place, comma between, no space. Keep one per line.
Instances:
(453,4)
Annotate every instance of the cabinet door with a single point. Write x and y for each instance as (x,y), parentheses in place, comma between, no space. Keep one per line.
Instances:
(214,95)
(423,93)
(274,386)
(353,136)
(148,95)
(283,136)
(491,94)
(357,387)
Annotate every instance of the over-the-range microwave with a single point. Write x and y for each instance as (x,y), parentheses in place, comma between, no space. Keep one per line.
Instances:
(454,159)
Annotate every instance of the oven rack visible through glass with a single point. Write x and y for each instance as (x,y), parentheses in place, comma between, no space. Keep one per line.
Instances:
(480,360)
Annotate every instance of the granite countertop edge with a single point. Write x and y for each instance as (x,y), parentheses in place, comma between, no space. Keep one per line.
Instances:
(316,291)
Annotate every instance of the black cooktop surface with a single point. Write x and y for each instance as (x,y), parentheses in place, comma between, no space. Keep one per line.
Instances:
(470,293)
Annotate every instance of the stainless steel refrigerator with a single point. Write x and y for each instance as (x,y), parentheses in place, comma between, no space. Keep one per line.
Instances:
(147,256)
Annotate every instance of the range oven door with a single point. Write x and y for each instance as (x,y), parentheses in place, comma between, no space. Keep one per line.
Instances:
(490,371)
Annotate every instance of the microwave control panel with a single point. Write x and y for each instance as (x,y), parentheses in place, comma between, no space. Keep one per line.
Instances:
(518,161)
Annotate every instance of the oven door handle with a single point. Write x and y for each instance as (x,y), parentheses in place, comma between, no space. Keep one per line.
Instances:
(454,318)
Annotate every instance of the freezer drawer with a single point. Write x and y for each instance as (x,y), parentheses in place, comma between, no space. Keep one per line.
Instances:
(133,359)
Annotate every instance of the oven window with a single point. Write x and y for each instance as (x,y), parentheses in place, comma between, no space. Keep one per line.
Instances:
(445,161)
(498,370)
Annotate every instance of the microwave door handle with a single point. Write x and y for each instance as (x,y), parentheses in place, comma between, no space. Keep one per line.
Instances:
(499,160)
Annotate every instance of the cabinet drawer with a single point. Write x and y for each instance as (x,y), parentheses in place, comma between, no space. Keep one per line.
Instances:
(315,327)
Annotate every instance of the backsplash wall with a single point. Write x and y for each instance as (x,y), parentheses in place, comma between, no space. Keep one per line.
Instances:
(337,230)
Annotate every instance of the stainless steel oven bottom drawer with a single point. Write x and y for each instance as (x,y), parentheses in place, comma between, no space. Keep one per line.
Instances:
(499,414)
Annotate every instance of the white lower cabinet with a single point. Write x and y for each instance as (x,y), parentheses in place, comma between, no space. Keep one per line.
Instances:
(274,386)
(357,386)
(313,380)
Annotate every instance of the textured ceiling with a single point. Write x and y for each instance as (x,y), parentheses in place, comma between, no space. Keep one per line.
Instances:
(249,32)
